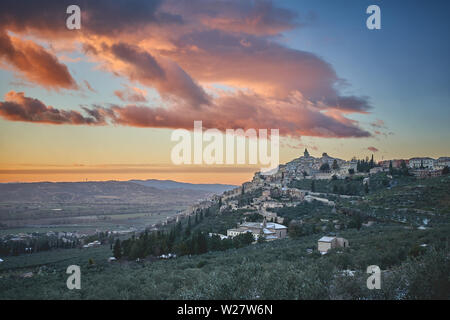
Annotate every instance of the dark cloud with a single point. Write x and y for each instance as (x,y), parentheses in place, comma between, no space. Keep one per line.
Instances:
(256,17)
(17,107)
(144,65)
(100,17)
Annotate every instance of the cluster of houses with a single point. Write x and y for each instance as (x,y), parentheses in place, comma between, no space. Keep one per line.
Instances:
(276,192)
(268,230)
(273,231)
(309,167)
(421,167)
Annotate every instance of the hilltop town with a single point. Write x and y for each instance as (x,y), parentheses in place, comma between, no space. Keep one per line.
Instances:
(267,192)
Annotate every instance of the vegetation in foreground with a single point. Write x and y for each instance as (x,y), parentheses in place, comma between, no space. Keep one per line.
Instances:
(413,255)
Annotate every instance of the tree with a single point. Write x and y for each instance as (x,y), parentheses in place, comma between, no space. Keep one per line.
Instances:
(351,171)
(117,250)
(335,165)
(295,229)
(275,193)
(188,227)
(313,186)
(261,237)
(325,167)
(356,221)
(202,243)
(404,168)
(391,169)
(243,240)
(366,188)
(445,171)
(135,251)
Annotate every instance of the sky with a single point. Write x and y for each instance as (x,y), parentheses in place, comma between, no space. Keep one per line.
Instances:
(101,102)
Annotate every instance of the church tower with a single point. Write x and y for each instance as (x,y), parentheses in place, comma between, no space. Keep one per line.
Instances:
(306,153)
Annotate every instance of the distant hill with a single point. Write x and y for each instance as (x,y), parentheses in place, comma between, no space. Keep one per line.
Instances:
(114,203)
(170,184)
(99,191)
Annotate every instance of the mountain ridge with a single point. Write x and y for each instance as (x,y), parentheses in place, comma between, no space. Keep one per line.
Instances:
(171,184)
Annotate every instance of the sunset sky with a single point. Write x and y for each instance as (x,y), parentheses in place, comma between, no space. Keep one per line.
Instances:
(100,103)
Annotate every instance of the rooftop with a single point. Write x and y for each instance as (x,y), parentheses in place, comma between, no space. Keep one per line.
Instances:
(269,225)
(326,239)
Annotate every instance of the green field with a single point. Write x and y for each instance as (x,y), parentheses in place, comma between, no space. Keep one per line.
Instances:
(55,259)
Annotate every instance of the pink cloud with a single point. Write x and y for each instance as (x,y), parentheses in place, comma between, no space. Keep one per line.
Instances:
(34,63)
(228,112)
(132,94)
(181,48)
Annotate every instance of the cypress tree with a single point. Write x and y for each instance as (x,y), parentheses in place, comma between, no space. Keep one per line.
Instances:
(117,250)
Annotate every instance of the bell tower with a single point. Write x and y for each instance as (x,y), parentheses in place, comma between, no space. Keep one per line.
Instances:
(306,153)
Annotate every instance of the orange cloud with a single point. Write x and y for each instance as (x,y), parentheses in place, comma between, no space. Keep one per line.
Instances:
(34,63)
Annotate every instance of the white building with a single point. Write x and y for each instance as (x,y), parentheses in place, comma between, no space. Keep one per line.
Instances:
(425,162)
(222,236)
(375,170)
(309,198)
(326,243)
(442,162)
(270,230)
